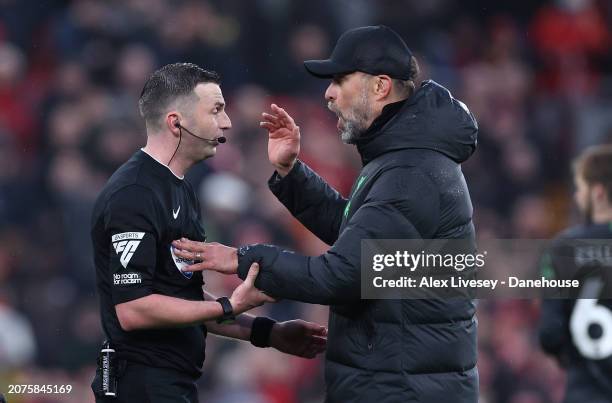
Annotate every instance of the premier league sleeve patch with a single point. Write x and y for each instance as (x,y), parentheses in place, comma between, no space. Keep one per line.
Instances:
(181,263)
(125,244)
(132,264)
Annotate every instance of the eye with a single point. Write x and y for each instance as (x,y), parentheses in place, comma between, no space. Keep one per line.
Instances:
(338,79)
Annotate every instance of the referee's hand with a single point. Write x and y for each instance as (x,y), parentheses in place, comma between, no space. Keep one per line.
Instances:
(298,337)
(246,296)
(207,256)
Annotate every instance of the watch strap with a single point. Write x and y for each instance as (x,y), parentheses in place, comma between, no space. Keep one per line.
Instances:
(228,311)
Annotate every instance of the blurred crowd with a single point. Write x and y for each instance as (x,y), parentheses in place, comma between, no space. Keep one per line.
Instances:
(537,76)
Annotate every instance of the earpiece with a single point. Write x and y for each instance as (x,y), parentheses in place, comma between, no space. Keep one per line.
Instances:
(177,124)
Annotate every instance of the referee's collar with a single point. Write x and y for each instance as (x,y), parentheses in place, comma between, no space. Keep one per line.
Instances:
(162,164)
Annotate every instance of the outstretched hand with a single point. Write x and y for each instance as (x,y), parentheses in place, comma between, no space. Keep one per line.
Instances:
(283,139)
(298,337)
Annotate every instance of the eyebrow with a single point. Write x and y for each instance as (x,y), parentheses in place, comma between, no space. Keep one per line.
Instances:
(338,77)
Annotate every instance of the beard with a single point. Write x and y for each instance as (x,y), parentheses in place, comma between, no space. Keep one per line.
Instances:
(354,123)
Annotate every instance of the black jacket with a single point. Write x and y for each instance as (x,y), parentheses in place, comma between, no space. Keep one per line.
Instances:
(411,186)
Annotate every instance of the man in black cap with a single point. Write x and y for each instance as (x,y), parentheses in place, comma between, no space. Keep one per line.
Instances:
(411,142)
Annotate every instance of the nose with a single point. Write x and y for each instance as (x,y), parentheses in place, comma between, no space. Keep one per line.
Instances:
(226,123)
(331,92)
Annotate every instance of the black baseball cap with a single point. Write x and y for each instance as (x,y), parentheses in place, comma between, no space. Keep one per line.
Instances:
(373,50)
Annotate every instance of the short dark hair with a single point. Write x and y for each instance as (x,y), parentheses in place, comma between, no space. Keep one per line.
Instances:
(594,165)
(407,87)
(169,83)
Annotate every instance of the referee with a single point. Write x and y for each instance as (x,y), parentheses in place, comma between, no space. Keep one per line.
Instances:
(154,315)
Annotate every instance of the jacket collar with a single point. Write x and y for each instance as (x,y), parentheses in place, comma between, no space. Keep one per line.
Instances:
(430,119)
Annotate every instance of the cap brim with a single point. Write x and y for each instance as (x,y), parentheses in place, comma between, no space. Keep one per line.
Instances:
(325,68)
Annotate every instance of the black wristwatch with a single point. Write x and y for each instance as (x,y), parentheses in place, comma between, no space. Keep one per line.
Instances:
(228,312)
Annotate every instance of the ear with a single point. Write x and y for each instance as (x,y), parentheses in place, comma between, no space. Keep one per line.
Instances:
(382,86)
(171,122)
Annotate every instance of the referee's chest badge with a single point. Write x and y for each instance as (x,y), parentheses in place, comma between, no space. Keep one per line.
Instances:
(181,263)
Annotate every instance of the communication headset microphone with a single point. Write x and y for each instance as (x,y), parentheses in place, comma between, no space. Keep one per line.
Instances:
(216,140)
(220,139)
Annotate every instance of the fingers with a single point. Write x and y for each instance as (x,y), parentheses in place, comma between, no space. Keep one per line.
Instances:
(272,123)
(201,267)
(185,244)
(252,275)
(278,119)
(270,118)
(277,109)
(269,126)
(273,117)
(319,347)
(320,331)
(283,115)
(192,250)
(311,350)
(188,254)
(314,329)
(269,122)
(318,341)
(267,299)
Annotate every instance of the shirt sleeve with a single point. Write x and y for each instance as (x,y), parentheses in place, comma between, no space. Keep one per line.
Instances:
(131,224)
(402,204)
(311,200)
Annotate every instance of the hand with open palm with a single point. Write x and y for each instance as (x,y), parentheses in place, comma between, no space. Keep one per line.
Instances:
(283,139)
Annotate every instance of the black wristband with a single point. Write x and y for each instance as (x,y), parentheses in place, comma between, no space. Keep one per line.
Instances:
(260,331)
(228,311)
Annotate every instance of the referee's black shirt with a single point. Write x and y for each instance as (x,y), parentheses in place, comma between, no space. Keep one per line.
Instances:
(140,211)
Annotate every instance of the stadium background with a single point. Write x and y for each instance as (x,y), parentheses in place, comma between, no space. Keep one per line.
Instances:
(537,75)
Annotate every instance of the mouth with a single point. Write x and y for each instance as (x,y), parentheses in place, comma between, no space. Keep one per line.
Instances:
(340,122)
